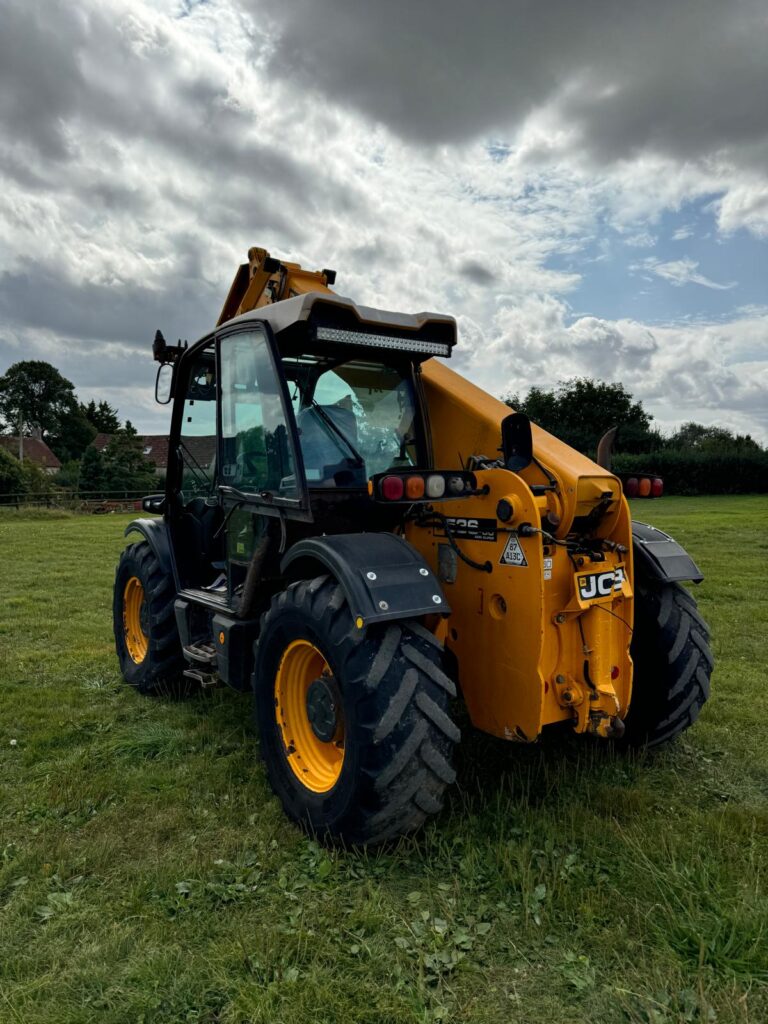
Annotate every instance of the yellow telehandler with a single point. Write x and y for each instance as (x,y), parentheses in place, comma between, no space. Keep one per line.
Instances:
(359,535)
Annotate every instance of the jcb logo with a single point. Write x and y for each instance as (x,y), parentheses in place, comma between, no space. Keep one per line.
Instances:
(600,584)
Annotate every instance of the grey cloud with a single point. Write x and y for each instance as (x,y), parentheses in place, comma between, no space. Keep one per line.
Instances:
(31,52)
(126,313)
(63,67)
(687,78)
(477,273)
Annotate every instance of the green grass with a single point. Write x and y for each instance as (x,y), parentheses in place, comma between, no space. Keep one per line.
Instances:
(147,874)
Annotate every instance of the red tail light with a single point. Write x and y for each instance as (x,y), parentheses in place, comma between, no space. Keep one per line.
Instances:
(392,488)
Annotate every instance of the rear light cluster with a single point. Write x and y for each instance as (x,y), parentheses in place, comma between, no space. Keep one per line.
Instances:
(643,486)
(410,487)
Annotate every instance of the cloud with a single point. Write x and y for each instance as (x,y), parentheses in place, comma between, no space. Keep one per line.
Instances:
(640,240)
(711,373)
(681,272)
(462,163)
(686,79)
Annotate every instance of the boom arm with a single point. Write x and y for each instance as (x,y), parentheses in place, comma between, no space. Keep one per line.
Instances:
(263,280)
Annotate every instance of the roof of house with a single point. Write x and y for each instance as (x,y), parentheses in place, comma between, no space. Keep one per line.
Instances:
(34,449)
(155,448)
(101,441)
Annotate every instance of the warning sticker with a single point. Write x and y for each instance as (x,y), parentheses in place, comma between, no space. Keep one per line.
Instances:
(547,568)
(513,554)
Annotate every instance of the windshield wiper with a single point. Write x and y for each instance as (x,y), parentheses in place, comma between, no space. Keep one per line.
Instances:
(358,458)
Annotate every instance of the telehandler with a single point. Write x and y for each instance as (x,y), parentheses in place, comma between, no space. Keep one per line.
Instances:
(356,533)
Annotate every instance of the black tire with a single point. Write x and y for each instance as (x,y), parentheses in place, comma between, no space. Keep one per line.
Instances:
(672,664)
(159,671)
(398,734)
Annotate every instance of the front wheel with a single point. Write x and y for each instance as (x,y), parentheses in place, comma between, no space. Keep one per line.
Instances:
(672,664)
(355,726)
(146,637)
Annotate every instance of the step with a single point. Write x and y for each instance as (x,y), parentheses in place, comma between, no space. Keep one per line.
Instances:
(203,679)
(203,653)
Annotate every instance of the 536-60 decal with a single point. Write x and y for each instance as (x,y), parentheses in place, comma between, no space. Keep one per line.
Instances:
(594,585)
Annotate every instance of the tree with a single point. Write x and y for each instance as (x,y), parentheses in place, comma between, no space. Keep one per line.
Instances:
(21,479)
(714,440)
(126,468)
(103,417)
(12,480)
(579,411)
(92,481)
(34,397)
(73,434)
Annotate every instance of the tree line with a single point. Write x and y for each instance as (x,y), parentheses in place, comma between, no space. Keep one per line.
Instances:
(694,459)
(36,400)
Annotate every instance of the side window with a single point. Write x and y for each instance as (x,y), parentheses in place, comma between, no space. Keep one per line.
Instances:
(198,427)
(256,452)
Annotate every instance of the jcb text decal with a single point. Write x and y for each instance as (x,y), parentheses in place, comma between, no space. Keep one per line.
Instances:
(594,585)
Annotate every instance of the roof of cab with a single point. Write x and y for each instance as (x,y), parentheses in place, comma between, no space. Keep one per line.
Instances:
(280,315)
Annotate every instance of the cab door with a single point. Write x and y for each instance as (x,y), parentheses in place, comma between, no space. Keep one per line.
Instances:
(260,477)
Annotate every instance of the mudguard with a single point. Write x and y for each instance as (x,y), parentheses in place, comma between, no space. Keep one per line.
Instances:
(155,532)
(383,577)
(658,556)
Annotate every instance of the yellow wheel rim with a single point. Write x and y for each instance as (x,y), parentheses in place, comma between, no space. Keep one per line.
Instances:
(315,763)
(135,614)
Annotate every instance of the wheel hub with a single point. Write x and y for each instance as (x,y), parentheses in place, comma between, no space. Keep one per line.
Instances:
(323,703)
(312,729)
(135,620)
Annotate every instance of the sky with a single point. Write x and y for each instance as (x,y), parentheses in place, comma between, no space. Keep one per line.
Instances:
(584,186)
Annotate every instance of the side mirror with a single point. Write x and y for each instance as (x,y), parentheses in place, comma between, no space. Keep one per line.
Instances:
(164,384)
(516,441)
(154,503)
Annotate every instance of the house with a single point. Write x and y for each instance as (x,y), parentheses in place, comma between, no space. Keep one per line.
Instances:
(34,450)
(155,448)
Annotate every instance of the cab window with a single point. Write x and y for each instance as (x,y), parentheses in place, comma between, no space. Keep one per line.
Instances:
(197,438)
(355,418)
(256,453)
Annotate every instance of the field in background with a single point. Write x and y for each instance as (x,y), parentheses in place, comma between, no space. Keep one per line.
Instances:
(148,875)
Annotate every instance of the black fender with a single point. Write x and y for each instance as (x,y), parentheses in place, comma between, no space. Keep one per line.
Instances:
(383,576)
(659,557)
(155,532)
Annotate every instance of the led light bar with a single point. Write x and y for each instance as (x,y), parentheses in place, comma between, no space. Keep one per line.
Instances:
(432,348)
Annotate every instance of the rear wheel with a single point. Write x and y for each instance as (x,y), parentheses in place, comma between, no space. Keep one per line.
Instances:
(672,664)
(355,726)
(146,638)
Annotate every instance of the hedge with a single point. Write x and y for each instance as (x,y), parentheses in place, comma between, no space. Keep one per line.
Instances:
(686,472)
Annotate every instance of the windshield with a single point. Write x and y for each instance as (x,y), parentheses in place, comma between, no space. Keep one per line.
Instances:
(355,418)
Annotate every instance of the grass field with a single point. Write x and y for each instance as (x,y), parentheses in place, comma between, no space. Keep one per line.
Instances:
(148,875)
